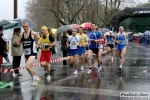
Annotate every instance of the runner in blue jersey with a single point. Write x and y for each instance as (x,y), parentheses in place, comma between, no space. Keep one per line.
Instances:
(94,36)
(122,40)
(110,43)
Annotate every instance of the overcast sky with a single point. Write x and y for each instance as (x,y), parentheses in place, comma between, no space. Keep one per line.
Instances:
(7,9)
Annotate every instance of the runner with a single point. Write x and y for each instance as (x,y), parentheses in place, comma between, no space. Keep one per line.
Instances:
(110,43)
(122,40)
(94,35)
(30,50)
(101,44)
(47,42)
(74,49)
(82,43)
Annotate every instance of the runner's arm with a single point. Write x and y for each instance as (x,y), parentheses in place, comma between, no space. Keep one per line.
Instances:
(52,40)
(105,37)
(99,37)
(115,39)
(126,38)
(36,35)
(86,37)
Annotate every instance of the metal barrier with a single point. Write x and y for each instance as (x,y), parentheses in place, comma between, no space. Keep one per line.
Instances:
(6,77)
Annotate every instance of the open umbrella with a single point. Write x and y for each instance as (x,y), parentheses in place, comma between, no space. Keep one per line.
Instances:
(86,25)
(76,26)
(135,34)
(104,30)
(147,32)
(107,33)
(129,33)
(63,28)
(20,22)
(54,30)
(8,23)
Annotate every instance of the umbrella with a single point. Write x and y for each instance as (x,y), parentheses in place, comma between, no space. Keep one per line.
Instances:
(129,33)
(54,30)
(86,25)
(104,30)
(20,22)
(8,23)
(107,33)
(63,28)
(140,33)
(76,26)
(147,32)
(135,35)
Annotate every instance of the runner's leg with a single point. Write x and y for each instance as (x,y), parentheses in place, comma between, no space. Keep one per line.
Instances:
(30,69)
(75,57)
(89,55)
(29,66)
(123,52)
(112,54)
(109,51)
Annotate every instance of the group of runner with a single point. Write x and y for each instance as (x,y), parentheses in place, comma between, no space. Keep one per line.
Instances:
(77,43)
(93,40)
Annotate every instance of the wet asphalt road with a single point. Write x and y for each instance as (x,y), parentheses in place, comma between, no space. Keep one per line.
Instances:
(105,85)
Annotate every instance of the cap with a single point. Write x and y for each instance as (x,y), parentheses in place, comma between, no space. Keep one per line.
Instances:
(44,28)
(73,29)
(111,31)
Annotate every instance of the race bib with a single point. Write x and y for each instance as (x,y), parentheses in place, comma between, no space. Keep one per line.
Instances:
(111,42)
(44,46)
(122,42)
(73,43)
(27,51)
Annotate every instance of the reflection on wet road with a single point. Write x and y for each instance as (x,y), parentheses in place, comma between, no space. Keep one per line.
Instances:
(105,85)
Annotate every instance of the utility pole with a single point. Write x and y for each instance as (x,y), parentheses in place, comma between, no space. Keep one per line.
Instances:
(58,6)
(15,9)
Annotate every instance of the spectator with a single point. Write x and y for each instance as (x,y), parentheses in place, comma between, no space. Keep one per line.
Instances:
(64,46)
(2,44)
(145,39)
(16,51)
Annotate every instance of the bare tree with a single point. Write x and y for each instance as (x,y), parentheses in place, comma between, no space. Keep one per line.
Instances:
(44,12)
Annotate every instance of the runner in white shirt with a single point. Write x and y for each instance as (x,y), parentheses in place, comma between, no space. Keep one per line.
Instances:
(74,49)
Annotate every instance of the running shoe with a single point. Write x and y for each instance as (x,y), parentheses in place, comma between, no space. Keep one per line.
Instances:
(82,68)
(38,79)
(120,68)
(34,82)
(89,71)
(112,59)
(99,68)
(48,77)
(75,72)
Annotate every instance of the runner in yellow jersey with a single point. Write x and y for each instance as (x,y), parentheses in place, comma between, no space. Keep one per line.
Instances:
(47,42)
(82,44)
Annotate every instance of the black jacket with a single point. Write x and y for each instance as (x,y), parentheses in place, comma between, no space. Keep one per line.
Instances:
(2,45)
(64,40)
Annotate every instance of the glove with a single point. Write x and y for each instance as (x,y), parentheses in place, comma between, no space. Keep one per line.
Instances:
(78,46)
(47,46)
